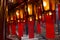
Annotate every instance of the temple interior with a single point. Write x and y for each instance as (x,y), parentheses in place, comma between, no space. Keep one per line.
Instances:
(29,19)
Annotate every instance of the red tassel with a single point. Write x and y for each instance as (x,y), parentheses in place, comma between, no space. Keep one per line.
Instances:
(20,29)
(31,29)
(13,28)
(38,28)
(49,27)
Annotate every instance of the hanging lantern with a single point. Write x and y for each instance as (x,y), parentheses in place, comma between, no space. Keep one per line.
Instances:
(50,33)
(30,9)
(13,26)
(31,27)
(20,29)
(46,4)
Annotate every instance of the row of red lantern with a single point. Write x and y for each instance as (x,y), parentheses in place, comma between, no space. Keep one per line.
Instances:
(49,27)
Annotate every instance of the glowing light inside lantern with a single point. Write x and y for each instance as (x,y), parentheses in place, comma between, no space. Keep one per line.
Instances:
(44,4)
(11,17)
(30,9)
(30,18)
(18,20)
(36,17)
(50,13)
(40,16)
(21,13)
(17,13)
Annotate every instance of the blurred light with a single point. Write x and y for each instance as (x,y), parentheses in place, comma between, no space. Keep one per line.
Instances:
(50,13)
(7,19)
(23,20)
(21,13)
(47,14)
(11,17)
(44,4)
(28,0)
(36,17)
(10,0)
(40,17)
(39,7)
(30,18)
(17,13)
(18,20)
(30,9)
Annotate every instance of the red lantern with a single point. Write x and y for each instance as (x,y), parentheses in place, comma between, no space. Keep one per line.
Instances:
(31,28)
(13,26)
(49,26)
(20,29)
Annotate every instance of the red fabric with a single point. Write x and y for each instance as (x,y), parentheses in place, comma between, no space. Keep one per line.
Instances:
(59,11)
(13,29)
(49,27)
(31,29)
(38,28)
(20,29)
